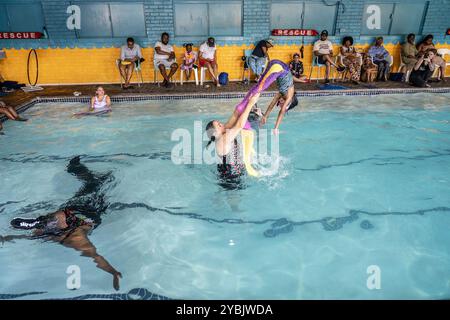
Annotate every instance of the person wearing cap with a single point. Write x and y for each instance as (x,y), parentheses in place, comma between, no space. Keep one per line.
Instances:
(129,55)
(165,59)
(259,57)
(296,67)
(208,59)
(323,50)
(379,55)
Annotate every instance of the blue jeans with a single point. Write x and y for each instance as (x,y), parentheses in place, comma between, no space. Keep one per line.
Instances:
(257,64)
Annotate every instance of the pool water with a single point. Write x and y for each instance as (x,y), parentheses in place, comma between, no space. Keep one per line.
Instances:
(362,182)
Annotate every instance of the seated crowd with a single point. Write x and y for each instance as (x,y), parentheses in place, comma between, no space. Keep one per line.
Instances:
(419,61)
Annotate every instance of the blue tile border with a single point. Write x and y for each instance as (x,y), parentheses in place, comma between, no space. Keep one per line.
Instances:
(231,95)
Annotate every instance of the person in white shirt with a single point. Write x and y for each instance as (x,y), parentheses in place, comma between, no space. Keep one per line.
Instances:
(129,55)
(323,49)
(165,58)
(208,59)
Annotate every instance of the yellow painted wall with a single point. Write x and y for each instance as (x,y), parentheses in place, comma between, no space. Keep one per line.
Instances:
(78,66)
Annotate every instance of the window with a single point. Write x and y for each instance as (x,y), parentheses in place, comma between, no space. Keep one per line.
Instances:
(393,18)
(95,21)
(103,20)
(127,19)
(286,15)
(306,15)
(21,17)
(207,18)
(229,24)
(408,18)
(191,19)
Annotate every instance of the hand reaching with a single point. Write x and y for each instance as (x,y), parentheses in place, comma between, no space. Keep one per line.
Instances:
(116,276)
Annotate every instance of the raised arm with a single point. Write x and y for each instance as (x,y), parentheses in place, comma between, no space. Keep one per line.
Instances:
(284,107)
(232,133)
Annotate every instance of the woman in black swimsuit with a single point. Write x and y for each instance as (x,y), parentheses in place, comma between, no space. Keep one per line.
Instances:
(66,226)
(231,166)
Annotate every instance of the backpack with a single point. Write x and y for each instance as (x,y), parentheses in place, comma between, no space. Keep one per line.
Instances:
(223,78)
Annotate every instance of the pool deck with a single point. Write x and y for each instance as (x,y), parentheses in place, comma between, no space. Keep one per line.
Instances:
(19,97)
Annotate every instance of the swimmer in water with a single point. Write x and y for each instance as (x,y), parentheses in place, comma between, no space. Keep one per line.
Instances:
(9,112)
(231,166)
(100,101)
(72,223)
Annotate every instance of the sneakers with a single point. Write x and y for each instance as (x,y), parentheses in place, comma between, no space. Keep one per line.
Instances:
(327,80)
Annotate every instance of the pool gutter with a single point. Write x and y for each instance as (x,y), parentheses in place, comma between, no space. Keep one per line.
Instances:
(228,95)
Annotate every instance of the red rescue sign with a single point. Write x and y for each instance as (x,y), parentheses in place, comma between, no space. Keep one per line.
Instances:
(20,35)
(294,32)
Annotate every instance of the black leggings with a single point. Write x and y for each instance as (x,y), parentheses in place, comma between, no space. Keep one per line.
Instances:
(419,78)
(90,200)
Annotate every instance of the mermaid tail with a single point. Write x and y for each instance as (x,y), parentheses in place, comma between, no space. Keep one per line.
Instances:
(247,137)
(274,69)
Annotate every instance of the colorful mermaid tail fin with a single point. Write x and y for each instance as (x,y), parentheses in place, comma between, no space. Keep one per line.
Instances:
(248,151)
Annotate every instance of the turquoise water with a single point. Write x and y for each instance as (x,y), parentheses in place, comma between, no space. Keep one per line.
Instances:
(362,181)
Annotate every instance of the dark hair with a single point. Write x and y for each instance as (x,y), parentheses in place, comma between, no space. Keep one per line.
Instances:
(130,40)
(164,34)
(431,50)
(187,44)
(209,126)
(427,37)
(410,36)
(296,55)
(347,39)
(211,40)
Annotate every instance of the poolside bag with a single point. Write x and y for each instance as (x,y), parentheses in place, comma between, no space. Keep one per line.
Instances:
(398,76)
(223,78)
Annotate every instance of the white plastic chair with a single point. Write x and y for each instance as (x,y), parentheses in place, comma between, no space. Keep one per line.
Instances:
(137,69)
(443,52)
(389,59)
(194,70)
(156,71)
(202,75)
(401,66)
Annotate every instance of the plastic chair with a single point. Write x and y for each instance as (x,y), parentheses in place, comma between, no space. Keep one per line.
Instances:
(156,71)
(137,69)
(315,63)
(443,52)
(400,68)
(389,59)
(194,70)
(247,54)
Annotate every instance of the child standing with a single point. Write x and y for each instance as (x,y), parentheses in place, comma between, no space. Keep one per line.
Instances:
(189,59)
